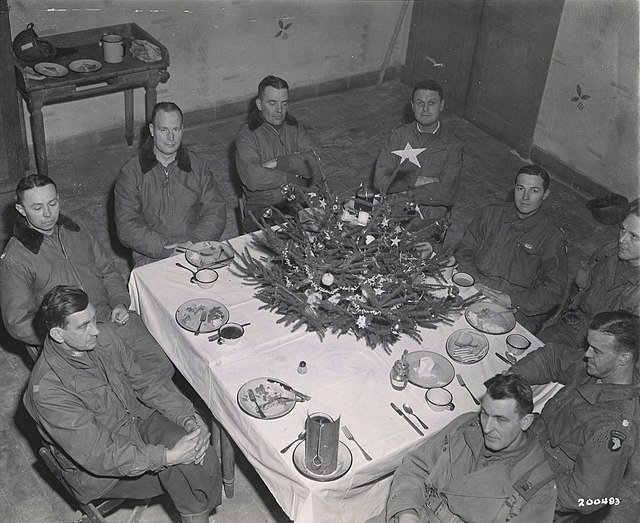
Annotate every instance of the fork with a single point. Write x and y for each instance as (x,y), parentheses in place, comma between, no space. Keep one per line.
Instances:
(203,318)
(350,437)
(463,384)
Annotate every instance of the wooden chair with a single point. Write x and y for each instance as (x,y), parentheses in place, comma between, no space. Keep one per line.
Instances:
(91,512)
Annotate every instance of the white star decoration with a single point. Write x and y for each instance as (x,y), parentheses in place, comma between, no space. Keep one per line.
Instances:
(323,203)
(409,153)
(362,322)
(384,222)
(395,241)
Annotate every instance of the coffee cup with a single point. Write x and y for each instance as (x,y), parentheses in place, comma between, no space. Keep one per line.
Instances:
(517,344)
(230,333)
(205,278)
(113,48)
(439,399)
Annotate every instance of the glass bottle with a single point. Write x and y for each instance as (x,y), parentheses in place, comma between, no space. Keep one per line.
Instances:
(399,374)
(364,198)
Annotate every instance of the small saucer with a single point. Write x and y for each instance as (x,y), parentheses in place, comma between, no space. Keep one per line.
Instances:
(345,460)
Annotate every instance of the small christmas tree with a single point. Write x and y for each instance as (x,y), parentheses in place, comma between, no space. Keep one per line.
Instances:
(334,269)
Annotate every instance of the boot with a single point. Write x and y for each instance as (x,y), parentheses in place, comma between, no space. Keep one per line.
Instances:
(202,517)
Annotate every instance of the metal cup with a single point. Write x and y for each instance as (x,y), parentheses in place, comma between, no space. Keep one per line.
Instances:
(113,48)
(230,333)
(205,278)
(439,399)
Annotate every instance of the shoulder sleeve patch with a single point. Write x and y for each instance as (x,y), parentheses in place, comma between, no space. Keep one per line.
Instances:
(616,439)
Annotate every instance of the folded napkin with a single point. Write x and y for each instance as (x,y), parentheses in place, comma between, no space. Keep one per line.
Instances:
(145,51)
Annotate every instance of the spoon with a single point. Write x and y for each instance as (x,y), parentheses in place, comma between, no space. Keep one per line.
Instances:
(299,438)
(185,267)
(409,411)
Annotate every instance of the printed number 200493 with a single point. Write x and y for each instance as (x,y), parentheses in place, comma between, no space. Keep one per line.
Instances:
(604,501)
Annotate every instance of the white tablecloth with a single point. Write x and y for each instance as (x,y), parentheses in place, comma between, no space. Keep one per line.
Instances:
(345,378)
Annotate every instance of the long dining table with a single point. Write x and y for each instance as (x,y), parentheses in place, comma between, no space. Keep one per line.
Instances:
(344,378)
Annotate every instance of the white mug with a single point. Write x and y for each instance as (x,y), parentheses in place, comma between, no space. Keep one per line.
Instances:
(113,48)
(439,399)
(205,278)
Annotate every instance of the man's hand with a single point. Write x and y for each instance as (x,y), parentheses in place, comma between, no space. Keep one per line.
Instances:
(270,164)
(119,314)
(583,276)
(495,296)
(204,439)
(184,451)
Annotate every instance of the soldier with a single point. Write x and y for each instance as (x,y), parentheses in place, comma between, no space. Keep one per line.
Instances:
(479,468)
(589,429)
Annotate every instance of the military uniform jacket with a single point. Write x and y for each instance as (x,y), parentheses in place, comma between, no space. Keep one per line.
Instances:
(33,263)
(477,483)
(614,284)
(441,162)
(85,405)
(589,429)
(524,258)
(157,206)
(292,148)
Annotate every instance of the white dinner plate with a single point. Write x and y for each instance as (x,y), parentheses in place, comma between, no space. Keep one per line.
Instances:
(440,374)
(483,316)
(189,313)
(274,400)
(210,254)
(467,346)
(345,460)
(51,69)
(85,65)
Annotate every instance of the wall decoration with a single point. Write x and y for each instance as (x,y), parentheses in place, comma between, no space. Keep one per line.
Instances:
(284,25)
(580,97)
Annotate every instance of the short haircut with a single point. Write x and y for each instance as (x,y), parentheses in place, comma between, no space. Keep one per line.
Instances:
(624,326)
(271,81)
(32,181)
(634,208)
(167,107)
(511,386)
(535,170)
(428,85)
(58,304)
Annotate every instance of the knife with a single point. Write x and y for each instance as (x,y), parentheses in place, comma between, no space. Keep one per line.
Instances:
(503,359)
(303,397)
(403,415)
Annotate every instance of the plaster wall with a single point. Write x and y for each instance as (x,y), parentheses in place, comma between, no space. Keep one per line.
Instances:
(221,49)
(593,128)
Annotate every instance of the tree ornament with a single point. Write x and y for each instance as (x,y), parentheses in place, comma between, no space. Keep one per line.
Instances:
(328,279)
(291,197)
(397,328)
(268,213)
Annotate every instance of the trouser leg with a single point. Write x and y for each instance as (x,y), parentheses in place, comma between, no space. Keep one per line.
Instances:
(565,334)
(193,489)
(136,336)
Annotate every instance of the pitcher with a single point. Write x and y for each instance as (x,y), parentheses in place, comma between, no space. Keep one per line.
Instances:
(321,443)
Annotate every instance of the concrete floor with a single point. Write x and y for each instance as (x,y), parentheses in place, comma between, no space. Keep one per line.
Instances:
(349,128)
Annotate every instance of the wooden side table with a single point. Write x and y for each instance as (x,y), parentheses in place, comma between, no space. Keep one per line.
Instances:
(130,74)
